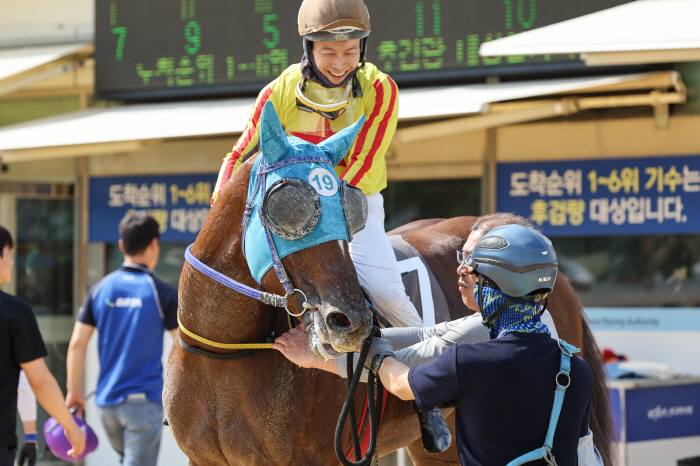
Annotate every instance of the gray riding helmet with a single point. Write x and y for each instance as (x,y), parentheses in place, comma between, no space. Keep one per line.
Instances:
(520,260)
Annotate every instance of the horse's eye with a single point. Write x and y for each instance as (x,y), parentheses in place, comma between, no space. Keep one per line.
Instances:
(291,208)
(354,207)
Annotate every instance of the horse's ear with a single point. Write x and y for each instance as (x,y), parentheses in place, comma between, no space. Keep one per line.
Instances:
(338,145)
(273,140)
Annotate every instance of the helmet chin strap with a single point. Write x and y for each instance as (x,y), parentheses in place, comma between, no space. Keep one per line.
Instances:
(487,321)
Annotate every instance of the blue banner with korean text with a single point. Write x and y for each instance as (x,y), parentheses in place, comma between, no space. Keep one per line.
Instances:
(180,204)
(628,196)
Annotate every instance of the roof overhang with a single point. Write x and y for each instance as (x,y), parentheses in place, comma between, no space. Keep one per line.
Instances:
(556,98)
(640,32)
(23,66)
(128,128)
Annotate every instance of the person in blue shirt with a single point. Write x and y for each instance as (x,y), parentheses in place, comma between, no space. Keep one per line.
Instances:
(131,309)
(501,387)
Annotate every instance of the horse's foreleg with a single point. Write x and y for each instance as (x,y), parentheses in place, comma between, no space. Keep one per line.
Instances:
(420,457)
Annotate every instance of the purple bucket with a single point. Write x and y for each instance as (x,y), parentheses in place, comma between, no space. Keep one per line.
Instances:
(58,443)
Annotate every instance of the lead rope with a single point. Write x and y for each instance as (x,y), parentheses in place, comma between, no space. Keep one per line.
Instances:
(374,386)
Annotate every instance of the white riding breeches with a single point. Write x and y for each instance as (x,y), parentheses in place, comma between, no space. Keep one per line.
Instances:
(26,401)
(378,270)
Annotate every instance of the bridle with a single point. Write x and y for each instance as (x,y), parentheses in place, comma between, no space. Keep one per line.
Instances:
(271,299)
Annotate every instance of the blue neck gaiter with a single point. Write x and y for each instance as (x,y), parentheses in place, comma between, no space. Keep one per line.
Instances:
(521,316)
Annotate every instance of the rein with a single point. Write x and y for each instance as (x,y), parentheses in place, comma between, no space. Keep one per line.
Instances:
(375,395)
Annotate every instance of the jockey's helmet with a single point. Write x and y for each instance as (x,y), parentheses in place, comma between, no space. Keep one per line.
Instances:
(520,260)
(333,20)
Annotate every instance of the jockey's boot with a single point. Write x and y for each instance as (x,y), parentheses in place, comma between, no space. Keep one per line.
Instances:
(434,430)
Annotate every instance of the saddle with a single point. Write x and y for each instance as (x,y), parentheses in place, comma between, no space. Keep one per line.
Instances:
(422,287)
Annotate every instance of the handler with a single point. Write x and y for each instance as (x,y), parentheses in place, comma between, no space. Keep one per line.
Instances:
(328,91)
(506,384)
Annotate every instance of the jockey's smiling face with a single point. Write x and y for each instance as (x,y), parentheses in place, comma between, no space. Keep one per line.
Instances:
(467,277)
(336,59)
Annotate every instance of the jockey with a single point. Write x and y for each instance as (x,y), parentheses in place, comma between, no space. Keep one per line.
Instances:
(329,90)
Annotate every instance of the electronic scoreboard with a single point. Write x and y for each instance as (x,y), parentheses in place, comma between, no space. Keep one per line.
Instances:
(181,48)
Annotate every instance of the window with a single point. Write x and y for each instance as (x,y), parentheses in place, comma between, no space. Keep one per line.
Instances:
(633,271)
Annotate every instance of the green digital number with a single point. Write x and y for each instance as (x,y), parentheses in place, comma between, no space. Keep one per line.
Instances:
(526,15)
(509,14)
(120,41)
(270,43)
(420,19)
(437,27)
(193,36)
(531,13)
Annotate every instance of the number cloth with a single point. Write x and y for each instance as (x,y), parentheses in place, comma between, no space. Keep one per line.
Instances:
(131,309)
(363,165)
(502,390)
(20,342)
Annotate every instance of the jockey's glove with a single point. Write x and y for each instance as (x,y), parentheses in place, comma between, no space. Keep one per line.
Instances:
(378,350)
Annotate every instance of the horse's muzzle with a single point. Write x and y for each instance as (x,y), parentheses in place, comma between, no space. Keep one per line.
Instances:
(342,331)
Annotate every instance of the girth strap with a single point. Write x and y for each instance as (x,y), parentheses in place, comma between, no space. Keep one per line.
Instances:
(545,451)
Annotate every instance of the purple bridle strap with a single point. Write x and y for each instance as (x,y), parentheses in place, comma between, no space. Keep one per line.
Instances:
(276,261)
(300,159)
(267,298)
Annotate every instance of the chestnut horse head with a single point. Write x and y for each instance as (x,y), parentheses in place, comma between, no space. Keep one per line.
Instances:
(297,221)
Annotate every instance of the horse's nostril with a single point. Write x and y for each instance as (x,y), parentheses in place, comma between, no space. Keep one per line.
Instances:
(338,322)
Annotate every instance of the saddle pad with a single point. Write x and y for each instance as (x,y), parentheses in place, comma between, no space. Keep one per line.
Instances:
(421,285)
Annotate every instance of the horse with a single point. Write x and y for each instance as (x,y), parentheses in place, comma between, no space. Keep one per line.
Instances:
(264,410)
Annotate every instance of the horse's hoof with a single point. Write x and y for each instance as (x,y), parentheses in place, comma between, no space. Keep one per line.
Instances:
(436,435)
(165,422)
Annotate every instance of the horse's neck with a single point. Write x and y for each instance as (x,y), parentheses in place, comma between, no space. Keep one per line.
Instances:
(225,314)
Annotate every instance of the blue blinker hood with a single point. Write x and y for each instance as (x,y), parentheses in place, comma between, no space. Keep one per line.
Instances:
(292,157)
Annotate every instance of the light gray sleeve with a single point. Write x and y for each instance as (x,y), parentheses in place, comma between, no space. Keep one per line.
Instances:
(342,364)
(415,346)
(588,454)
(427,343)
(404,337)
(464,330)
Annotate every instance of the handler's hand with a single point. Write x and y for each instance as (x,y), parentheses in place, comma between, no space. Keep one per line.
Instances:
(293,345)
(379,346)
(76,399)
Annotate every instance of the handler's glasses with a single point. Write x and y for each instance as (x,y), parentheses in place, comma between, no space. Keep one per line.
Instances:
(463,259)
